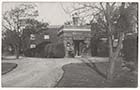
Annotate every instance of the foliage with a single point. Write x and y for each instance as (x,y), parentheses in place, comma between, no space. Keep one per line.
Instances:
(18,24)
(46,49)
(13,24)
(55,50)
(36,52)
(130,43)
(128,18)
(34,26)
(130,52)
(14,19)
(113,19)
(30,52)
(99,48)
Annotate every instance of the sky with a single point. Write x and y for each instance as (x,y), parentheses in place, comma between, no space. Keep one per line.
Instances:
(52,13)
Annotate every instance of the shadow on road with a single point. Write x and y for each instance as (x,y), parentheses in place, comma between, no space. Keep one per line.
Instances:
(93,66)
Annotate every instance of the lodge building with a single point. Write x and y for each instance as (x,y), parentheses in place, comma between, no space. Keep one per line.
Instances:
(74,36)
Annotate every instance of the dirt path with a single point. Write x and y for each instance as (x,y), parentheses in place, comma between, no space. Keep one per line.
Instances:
(36,72)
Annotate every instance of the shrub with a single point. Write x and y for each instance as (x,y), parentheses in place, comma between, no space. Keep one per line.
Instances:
(40,49)
(130,52)
(55,50)
(130,48)
(36,52)
(99,48)
(30,52)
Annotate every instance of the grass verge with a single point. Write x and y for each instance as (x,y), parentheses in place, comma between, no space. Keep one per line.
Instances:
(83,75)
(7,67)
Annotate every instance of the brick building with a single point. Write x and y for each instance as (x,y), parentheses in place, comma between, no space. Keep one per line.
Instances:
(47,35)
(75,38)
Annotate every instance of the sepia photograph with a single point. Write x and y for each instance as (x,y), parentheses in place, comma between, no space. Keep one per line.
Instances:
(69,44)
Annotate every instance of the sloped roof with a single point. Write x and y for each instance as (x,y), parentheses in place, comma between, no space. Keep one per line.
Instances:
(54,26)
(78,27)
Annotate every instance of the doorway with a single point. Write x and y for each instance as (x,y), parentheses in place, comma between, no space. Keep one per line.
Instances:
(78,44)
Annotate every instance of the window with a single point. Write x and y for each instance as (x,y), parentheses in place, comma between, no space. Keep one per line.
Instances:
(46,37)
(32,37)
(32,46)
(115,43)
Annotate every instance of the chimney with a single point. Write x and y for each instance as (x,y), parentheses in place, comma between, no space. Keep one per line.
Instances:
(75,19)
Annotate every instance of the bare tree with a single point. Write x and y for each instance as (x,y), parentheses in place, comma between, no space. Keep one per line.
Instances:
(113,18)
(13,24)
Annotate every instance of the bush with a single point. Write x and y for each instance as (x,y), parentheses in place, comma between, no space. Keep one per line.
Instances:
(99,48)
(40,49)
(54,50)
(46,49)
(130,52)
(103,50)
(130,48)
(36,52)
(30,52)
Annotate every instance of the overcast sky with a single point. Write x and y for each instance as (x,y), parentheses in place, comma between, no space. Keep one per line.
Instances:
(50,12)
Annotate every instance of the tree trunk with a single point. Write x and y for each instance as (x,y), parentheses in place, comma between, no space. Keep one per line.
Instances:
(111,63)
(110,47)
(17,52)
(113,57)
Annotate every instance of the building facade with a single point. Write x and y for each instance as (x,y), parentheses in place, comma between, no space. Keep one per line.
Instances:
(76,39)
(46,35)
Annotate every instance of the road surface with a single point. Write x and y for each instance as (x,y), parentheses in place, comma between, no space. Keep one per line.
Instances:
(37,72)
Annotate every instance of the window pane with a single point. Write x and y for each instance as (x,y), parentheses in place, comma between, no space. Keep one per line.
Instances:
(32,37)
(46,37)
(32,46)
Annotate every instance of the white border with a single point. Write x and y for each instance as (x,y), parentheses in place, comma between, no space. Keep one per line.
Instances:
(65,1)
(76,29)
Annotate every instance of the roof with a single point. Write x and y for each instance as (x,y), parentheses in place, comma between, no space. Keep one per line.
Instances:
(54,26)
(78,27)
(84,28)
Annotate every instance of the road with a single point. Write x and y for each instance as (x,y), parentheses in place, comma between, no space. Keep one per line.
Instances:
(37,72)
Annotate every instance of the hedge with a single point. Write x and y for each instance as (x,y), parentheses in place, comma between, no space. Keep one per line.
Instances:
(54,50)
(130,48)
(99,48)
(36,52)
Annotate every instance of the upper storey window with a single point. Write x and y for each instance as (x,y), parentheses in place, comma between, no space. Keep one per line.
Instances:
(32,37)
(46,37)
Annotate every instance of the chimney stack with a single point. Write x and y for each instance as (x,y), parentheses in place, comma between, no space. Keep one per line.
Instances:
(75,19)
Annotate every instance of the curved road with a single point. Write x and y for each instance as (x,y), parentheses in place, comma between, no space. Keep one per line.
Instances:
(37,72)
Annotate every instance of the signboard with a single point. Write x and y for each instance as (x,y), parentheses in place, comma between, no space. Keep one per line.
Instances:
(78,37)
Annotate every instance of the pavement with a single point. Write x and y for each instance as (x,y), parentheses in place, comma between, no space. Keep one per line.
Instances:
(39,72)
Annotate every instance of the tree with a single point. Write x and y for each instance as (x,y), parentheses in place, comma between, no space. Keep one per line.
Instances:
(115,19)
(13,24)
(32,27)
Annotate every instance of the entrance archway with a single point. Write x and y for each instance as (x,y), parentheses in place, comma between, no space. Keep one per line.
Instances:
(78,46)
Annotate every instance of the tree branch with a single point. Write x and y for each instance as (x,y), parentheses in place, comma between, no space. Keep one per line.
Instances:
(64,9)
(8,22)
(6,27)
(93,7)
(113,4)
(102,7)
